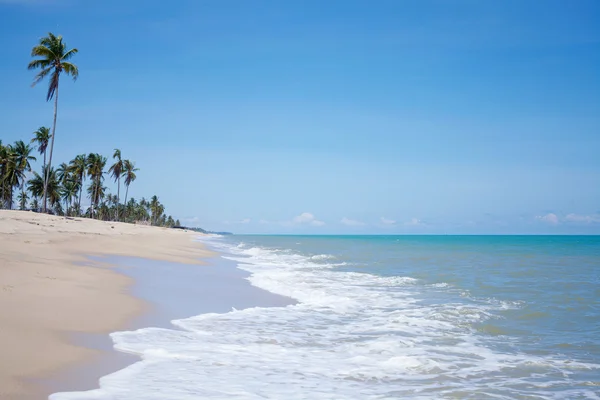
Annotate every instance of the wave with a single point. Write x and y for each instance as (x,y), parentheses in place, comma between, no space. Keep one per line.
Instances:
(353,335)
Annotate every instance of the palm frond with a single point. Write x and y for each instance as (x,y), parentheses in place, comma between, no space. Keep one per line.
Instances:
(53,85)
(43,51)
(41,63)
(69,54)
(40,76)
(50,39)
(71,69)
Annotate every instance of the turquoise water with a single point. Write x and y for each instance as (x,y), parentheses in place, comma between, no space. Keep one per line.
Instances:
(385,317)
(519,295)
(553,281)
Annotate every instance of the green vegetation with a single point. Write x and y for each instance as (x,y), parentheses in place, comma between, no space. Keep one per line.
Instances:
(61,189)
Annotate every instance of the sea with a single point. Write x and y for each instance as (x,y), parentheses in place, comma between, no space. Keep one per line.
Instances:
(384,317)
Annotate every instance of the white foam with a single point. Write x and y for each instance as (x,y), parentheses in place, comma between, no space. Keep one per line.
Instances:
(352,336)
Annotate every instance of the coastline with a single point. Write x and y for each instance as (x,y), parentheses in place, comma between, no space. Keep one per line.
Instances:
(51,290)
(172,292)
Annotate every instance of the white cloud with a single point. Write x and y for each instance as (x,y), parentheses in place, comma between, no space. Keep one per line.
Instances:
(414,222)
(263,222)
(245,221)
(304,217)
(351,222)
(307,218)
(586,219)
(387,221)
(549,218)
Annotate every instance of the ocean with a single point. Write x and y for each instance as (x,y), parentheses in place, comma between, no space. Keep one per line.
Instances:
(384,317)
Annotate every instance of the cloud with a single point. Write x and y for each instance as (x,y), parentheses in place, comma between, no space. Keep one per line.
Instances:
(549,218)
(414,222)
(190,221)
(387,221)
(584,219)
(351,222)
(242,221)
(263,222)
(307,218)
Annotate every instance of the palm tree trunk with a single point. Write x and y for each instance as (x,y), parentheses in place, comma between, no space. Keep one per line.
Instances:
(126,193)
(23,191)
(97,197)
(93,197)
(51,146)
(44,167)
(118,196)
(80,193)
(10,200)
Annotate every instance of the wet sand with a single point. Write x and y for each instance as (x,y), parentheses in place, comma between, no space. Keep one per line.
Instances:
(171,291)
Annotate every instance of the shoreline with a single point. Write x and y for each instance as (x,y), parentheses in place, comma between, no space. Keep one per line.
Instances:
(187,292)
(52,290)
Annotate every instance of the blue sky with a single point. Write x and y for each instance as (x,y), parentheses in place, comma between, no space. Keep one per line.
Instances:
(394,116)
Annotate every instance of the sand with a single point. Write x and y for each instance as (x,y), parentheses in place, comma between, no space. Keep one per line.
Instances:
(49,288)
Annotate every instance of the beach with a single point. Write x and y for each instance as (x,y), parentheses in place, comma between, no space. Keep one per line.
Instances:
(295,317)
(51,288)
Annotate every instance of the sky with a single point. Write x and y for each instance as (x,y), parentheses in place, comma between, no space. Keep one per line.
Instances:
(328,117)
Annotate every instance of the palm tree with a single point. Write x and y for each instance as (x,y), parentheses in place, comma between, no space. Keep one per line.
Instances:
(129,171)
(35,205)
(95,171)
(63,173)
(78,167)
(23,160)
(68,191)
(23,197)
(6,156)
(36,186)
(41,138)
(116,170)
(157,210)
(170,222)
(53,60)
(12,174)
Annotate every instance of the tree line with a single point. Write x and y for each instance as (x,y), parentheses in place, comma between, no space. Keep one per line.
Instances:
(60,190)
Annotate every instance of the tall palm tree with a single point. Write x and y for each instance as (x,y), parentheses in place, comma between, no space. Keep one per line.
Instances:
(116,170)
(143,210)
(95,171)
(53,60)
(78,167)
(129,171)
(154,208)
(41,139)
(23,160)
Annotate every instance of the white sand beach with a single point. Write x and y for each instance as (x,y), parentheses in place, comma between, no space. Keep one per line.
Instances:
(49,288)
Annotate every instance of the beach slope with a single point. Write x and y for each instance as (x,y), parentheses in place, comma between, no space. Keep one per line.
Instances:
(49,288)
